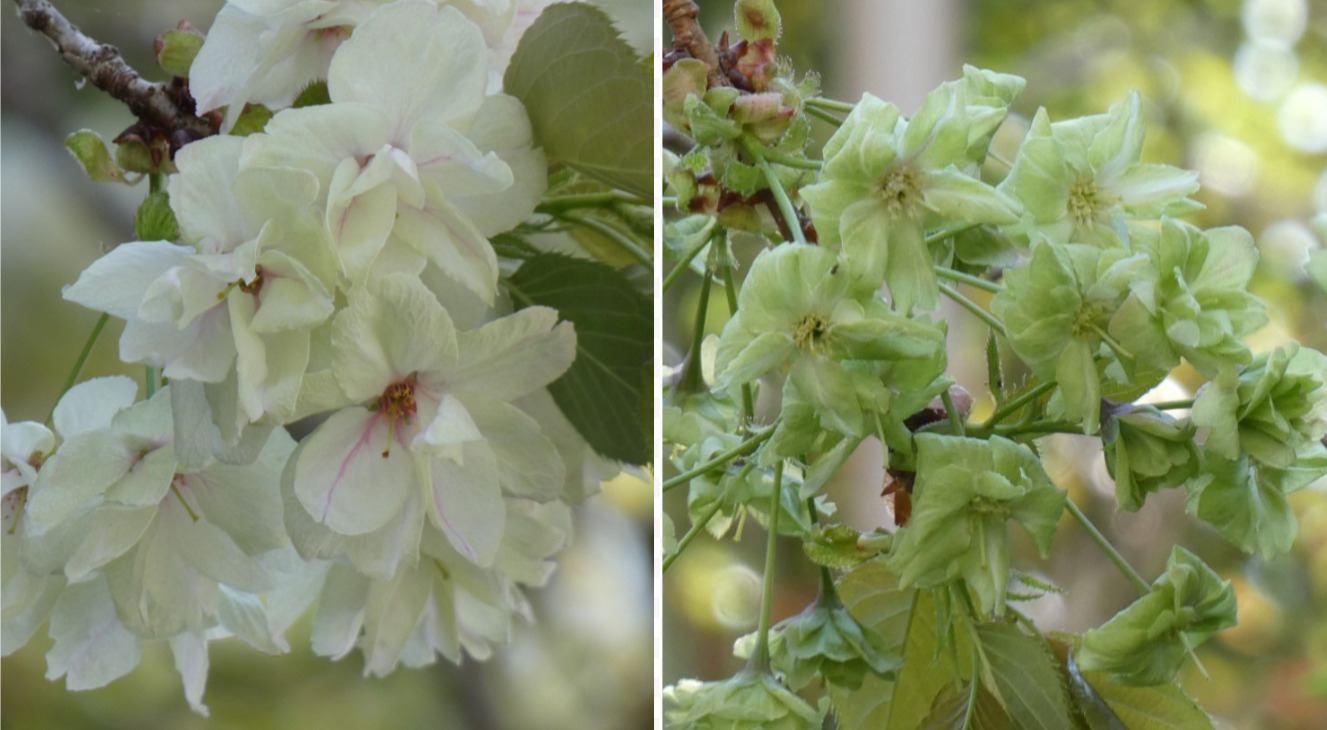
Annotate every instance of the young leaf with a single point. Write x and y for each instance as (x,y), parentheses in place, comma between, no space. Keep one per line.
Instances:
(589,100)
(967,707)
(1026,676)
(1163,707)
(88,148)
(601,393)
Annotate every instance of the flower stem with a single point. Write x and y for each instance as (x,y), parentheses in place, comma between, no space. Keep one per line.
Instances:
(1113,344)
(760,657)
(824,116)
(155,182)
(823,103)
(683,265)
(954,419)
(692,380)
(947,273)
(1013,406)
(803,163)
(150,380)
(588,200)
(696,528)
(727,456)
(730,288)
(1108,549)
(780,195)
(1170,405)
(985,316)
(79,363)
(621,239)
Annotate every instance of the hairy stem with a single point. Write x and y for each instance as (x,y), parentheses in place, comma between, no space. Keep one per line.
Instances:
(780,195)
(696,528)
(1108,549)
(985,316)
(969,279)
(1013,406)
(745,447)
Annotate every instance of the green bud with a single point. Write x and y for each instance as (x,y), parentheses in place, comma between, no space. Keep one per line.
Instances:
(176,49)
(155,221)
(88,148)
(757,20)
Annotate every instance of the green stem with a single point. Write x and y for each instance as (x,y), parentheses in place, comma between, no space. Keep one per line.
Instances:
(985,316)
(994,372)
(1000,159)
(150,380)
(780,195)
(823,103)
(1170,405)
(156,182)
(668,200)
(760,657)
(1018,429)
(696,528)
(969,279)
(1013,406)
(587,200)
(693,380)
(617,237)
(79,363)
(1112,343)
(1108,549)
(823,116)
(193,515)
(954,419)
(730,288)
(743,448)
(802,163)
(684,264)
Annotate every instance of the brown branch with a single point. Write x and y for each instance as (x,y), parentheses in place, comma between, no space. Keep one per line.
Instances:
(102,64)
(690,37)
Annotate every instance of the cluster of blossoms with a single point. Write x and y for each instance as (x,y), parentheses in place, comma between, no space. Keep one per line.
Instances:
(338,262)
(1093,283)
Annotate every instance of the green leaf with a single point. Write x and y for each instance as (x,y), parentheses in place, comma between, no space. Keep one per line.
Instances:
(590,103)
(1026,676)
(601,393)
(155,221)
(176,50)
(1164,707)
(253,120)
(88,148)
(315,94)
(872,596)
(950,711)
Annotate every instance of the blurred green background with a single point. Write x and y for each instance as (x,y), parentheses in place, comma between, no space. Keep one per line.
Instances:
(1236,90)
(586,664)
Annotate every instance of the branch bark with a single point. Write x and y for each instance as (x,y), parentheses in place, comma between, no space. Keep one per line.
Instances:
(102,64)
(690,37)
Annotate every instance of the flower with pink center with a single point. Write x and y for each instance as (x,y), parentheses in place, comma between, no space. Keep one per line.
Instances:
(434,435)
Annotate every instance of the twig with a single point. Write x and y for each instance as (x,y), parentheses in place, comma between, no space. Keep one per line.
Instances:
(690,37)
(103,65)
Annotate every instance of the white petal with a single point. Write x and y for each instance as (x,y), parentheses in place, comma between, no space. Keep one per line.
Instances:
(91,404)
(528,462)
(245,616)
(395,608)
(112,532)
(244,500)
(317,138)
(115,282)
(467,503)
(386,333)
(92,647)
(512,356)
(76,477)
(451,241)
(207,548)
(190,650)
(340,612)
(198,442)
(446,60)
(342,477)
(146,481)
(448,427)
(200,194)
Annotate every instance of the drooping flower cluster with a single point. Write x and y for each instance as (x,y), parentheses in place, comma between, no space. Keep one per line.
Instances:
(1072,256)
(337,262)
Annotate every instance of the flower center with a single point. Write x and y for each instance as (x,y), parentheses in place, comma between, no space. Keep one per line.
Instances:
(1086,202)
(397,403)
(810,331)
(900,189)
(988,506)
(251,287)
(1086,323)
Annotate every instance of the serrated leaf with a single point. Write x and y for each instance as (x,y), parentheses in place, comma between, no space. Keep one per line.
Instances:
(871,594)
(951,710)
(835,546)
(88,148)
(1026,677)
(155,221)
(601,393)
(253,120)
(1163,707)
(315,94)
(590,102)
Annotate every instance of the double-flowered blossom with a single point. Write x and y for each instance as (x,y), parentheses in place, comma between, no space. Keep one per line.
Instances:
(433,433)
(1146,451)
(1197,304)
(26,598)
(1147,642)
(1058,312)
(799,313)
(967,491)
(748,701)
(242,294)
(415,163)
(151,550)
(888,181)
(1082,180)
